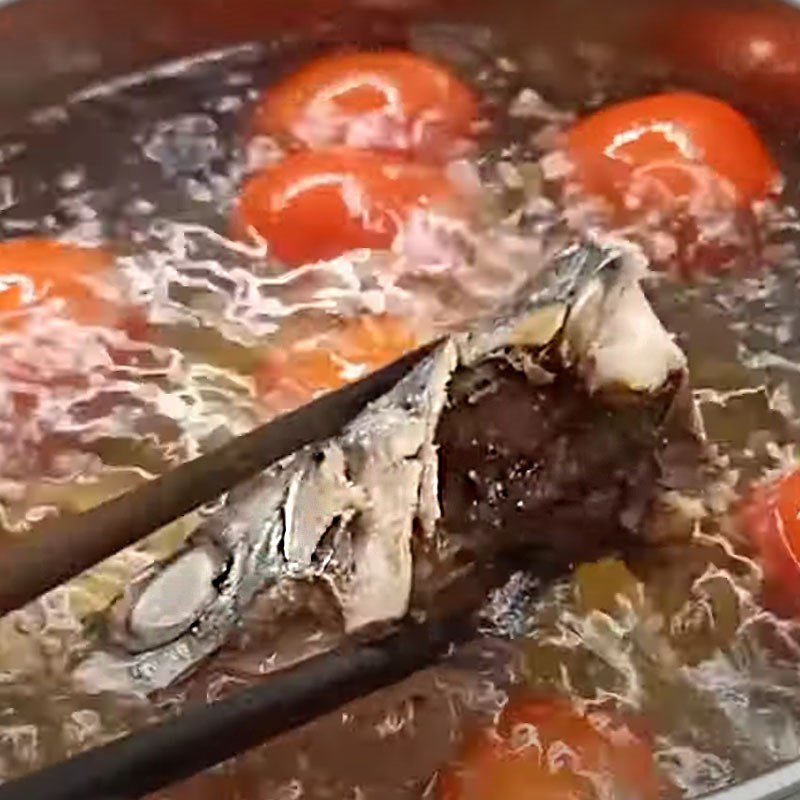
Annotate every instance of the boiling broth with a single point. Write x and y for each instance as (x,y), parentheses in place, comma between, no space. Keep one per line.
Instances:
(151,166)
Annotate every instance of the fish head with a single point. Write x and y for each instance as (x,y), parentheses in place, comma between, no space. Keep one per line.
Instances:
(541,426)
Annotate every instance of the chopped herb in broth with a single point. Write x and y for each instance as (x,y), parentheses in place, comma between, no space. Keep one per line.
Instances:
(192,250)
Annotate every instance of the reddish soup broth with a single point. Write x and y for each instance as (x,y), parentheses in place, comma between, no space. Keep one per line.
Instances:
(177,325)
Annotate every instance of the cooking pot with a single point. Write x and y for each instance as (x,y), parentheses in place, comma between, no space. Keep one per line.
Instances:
(49,48)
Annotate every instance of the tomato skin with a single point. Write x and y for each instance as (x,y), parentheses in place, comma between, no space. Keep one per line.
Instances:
(771,517)
(673,151)
(754,53)
(34,269)
(316,205)
(293,373)
(381,100)
(543,748)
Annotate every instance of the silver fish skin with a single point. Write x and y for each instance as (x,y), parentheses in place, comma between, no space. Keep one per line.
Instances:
(380,476)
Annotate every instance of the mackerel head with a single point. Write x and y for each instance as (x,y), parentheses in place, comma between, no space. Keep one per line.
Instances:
(546,429)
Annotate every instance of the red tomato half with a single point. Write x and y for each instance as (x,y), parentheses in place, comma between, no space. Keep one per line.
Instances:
(772,518)
(316,205)
(754,52)
(677,151)
(293,374)
(544,749)
(380,100)
(32,270)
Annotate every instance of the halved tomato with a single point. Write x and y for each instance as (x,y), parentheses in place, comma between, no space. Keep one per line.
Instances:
(674,152)
(316,205)
(380,100)
(771,516)
(294,373)
(35,269)
(544,749)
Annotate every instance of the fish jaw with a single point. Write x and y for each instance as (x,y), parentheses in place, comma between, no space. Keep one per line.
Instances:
(399,479)
(371,485)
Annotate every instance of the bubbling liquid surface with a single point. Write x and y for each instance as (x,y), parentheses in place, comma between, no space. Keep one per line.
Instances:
(150,167)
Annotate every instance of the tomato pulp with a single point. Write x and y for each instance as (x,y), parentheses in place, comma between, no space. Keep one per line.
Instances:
(547,750)
(293,374)
(379,100)
(772,518)
(671,151)
(33,270)
(316,205)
